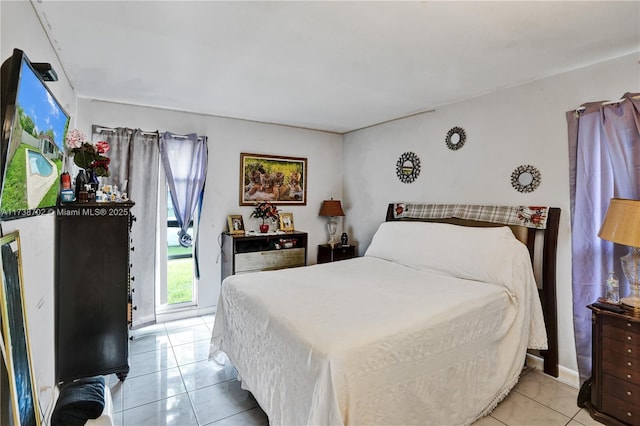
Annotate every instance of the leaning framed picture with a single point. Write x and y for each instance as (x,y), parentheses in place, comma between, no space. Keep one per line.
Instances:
(277,179)
(236,225)
(22,387)
(286,222)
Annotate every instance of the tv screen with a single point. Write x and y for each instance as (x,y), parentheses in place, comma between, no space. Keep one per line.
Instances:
(32,145)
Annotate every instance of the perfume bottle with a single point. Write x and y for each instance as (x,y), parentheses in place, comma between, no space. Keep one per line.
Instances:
(613,292)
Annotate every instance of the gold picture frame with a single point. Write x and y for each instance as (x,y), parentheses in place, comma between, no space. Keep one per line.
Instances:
(286,222)
(236,224)
(280,180)
(15,335)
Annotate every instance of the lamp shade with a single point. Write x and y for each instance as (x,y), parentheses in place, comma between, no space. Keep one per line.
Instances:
(622,222)
(331,208)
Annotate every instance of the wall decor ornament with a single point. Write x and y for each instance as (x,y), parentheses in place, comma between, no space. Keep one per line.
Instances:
(525,178)
(455,138)
(408,167)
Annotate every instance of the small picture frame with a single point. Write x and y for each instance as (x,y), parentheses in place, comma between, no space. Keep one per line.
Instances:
(236,225)
(286,222)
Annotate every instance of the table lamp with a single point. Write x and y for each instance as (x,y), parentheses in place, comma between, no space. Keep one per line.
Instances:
(331,208)
(622,226)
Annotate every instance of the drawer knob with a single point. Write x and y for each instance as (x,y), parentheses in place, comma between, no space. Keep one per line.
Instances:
(629,414)
(628,376)
(628,337)
(629,393)
(629,364)
(629,351)
(628,324)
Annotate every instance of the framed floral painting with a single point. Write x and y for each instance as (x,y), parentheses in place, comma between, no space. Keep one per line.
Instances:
(277,179)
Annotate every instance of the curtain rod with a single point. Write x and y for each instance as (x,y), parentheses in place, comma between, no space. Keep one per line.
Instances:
(580,109)
(112,130)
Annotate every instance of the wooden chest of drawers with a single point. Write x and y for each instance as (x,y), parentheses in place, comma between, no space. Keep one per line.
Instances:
(615,393)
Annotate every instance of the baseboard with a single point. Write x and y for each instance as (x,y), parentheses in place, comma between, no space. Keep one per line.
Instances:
(184,313)
(565,375)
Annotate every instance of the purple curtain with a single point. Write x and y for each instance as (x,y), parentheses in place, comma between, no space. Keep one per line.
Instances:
(185,163)
(604,160)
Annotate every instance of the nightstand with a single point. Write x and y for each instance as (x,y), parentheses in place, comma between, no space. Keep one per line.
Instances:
(327,254)
(615,391)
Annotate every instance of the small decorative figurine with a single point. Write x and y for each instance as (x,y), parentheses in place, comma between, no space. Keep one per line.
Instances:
(344,239)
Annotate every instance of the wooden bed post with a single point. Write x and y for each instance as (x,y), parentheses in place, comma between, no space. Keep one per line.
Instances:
(549,302)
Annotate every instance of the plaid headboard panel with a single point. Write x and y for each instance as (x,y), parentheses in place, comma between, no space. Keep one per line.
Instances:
(528,216)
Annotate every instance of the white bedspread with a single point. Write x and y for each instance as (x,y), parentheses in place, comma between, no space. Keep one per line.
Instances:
(371,342)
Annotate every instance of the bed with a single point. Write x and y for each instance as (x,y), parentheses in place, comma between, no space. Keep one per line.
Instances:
(430,326)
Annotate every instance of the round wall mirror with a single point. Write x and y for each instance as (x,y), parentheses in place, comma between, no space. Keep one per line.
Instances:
(525,178)
(455,138)
(408,167)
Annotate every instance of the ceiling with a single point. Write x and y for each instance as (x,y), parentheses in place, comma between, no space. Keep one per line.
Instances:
(333,66)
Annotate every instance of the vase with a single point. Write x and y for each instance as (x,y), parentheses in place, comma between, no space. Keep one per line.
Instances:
(81,181)
(92,179)
(264,228)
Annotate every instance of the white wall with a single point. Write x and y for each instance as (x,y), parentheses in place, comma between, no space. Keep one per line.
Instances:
(520,125)
(21,29)
(227,139)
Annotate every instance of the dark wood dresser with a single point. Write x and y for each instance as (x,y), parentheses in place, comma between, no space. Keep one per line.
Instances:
(615,391)
(92,290)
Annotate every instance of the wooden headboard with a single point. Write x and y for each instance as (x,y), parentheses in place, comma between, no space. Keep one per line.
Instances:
(543,260)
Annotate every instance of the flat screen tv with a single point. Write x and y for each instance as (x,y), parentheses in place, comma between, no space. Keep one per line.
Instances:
(34,127)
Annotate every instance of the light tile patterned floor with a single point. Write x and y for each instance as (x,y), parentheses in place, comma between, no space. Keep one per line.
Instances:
(171,382)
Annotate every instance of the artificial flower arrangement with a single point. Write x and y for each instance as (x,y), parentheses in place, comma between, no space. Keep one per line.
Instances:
(265,210)
(87,155)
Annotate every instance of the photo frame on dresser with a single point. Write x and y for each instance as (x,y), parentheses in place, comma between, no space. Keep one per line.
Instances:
(236,224)
(286,222)
(16,349)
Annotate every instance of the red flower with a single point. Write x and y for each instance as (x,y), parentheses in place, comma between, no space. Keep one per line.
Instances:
(102,147)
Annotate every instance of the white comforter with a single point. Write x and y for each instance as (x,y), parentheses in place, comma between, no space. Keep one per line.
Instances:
(372,342)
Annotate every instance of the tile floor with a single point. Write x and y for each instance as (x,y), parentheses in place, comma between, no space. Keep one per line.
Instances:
(171,382)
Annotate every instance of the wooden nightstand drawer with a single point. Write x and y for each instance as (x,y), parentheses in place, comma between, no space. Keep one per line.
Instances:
(328,254)
(620,389)
(621,334)
(621,410)
(623,367)
(621,347)
(621,323)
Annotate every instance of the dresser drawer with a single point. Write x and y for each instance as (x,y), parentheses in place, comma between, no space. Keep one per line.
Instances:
(621,334)
(621,323)
(266,260)
(621,389)
(621,347)
(622,410)
(621,366)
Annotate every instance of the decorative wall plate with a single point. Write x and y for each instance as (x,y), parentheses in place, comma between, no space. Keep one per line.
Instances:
(456,138)
(408,167)
(525,178)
